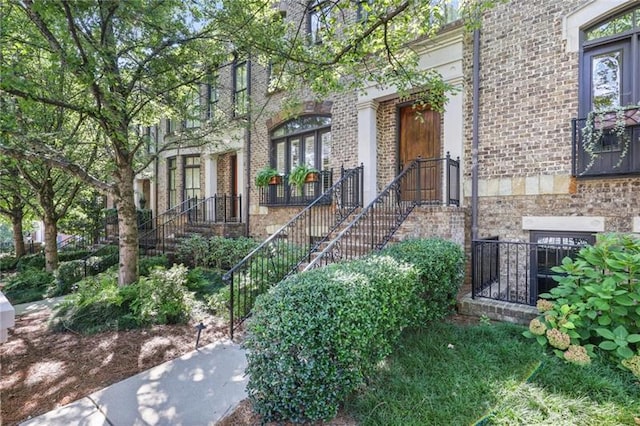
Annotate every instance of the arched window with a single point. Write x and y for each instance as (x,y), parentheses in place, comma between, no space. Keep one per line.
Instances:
(302,140)
(611,63)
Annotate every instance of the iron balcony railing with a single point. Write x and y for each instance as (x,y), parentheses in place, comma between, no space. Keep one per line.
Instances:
(284,251)
(599,149)
(173,223)
(285,194)
(515,272)
(420,183)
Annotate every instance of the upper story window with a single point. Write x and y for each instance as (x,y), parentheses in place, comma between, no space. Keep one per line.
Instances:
(192,118)
(607,134)
(240,89)
(611,63)
(319,17)
(212,94)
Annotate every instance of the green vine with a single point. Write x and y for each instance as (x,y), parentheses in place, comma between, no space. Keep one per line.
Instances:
(593,131)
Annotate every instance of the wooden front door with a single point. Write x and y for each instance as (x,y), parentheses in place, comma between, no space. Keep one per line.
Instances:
(420,138)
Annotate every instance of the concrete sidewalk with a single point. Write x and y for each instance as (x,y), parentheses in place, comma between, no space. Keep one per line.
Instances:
(198,388)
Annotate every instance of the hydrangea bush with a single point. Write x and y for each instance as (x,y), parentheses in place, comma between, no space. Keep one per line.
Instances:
(595,309)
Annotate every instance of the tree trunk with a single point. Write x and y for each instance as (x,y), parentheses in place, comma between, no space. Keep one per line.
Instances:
(50,241)
(127,227)
(18,238)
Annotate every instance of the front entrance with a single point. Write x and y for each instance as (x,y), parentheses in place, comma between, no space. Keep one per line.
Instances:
(419,137)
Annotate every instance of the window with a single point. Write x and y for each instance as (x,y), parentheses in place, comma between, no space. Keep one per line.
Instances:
(192,178)
(192,118)
(609,69)
(212,95)
(551,248)
(319,19)
(171,182)
(240,89)
(610,63)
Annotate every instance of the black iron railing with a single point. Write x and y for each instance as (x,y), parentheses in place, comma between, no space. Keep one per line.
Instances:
(420,183)
(285,194)
(601,148)
(172,224)
(283,252)
(515,272)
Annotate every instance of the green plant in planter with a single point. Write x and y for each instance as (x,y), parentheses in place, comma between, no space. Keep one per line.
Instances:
(264,176)
(615,120)
(298,176)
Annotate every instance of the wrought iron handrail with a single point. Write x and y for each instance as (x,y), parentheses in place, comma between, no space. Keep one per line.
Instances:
(215,209)
(281,253)
(372,229)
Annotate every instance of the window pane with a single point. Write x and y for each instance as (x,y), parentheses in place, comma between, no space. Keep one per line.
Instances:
(281,158)
(605,80)
(325,150)
(295,153)
(309,151)
(614,26)
(302,124)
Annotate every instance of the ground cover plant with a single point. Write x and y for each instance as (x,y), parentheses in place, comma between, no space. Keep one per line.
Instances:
(458,374)
(594,311)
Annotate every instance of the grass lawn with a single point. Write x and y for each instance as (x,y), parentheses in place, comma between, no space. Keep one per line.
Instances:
(449,374)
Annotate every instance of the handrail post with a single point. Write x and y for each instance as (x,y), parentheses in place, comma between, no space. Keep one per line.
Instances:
(448,178)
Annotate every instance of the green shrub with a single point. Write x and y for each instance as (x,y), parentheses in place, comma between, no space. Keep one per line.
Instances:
(146,264)
(314,338)
(224,253)
(27,286)
(163,297)
(440,264)
(595,304)
(67,255)
(31,261)
(193,251)
(7,262)
(67,274)
(99,304)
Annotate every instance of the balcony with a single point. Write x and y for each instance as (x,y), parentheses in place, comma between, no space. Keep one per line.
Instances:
(608,145)
(285,194)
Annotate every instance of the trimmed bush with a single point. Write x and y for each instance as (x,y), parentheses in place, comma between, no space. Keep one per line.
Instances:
(193,251)
(67,274)
(27,286)
(163,297)
(67,255)
(7,262)
(314,338)
(146,264)
(224,253)
(440,264)
(31,261)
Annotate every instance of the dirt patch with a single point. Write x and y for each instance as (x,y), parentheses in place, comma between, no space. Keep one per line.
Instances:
(40,370)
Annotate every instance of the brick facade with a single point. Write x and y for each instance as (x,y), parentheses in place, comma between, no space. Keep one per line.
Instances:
(528,96)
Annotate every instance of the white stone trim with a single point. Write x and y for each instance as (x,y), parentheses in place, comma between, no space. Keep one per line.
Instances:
(585,15)
(563,223)
(368,147)
(7,317)
(636,224)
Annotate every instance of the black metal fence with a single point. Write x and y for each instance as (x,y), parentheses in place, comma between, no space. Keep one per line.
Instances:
(420,183)
(515,272)
(285,194)
(283,252)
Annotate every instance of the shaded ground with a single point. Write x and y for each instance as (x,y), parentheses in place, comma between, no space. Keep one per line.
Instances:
(40,370)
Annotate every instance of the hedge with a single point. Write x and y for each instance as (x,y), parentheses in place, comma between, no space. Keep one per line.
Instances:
(315,337)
